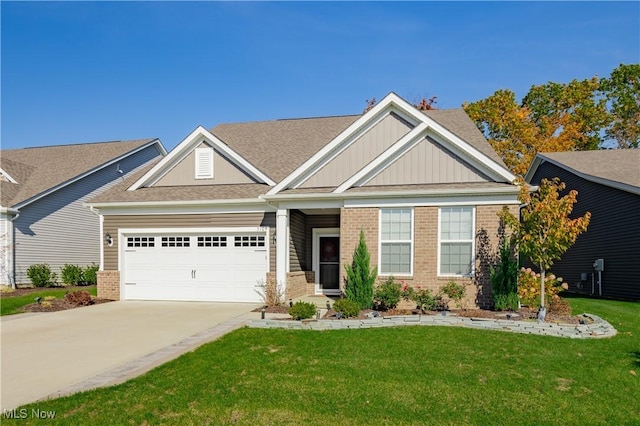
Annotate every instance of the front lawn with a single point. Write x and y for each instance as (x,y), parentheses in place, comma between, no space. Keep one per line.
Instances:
(13,304)
(404,375)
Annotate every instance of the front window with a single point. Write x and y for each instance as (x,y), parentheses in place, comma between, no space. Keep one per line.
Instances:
(456,240)
(396,242)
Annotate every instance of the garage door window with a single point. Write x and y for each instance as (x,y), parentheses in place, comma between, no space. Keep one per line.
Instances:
(175,242)
(212,241)
(140,241)
(249,241)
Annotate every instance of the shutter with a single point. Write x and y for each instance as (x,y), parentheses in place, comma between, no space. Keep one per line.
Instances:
(204,163)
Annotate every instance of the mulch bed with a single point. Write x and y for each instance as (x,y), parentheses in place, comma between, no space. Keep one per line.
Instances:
(523,314)
(59,305)
(28,290)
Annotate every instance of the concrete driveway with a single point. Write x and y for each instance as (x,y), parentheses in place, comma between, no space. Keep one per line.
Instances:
(62,352)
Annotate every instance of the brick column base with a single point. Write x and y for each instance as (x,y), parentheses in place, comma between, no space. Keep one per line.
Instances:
(109,285)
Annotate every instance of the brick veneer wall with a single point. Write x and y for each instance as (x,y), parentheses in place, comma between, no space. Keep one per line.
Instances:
(297,284)
(109,285)
(425,274)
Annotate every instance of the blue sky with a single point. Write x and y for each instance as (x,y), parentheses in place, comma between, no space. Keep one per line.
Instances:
(95,71)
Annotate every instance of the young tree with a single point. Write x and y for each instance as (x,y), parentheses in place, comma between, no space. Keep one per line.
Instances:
(622,90)
(360,276)
(545,231)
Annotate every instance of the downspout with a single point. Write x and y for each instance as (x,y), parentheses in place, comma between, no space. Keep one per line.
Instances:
(10,260)
(101,228)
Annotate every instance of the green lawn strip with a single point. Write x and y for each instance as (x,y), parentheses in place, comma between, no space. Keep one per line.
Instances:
(394,376)
(13,305)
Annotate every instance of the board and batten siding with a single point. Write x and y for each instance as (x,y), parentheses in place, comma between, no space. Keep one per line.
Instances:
(360,153)
(210,220)
(613,235)
(317,221)
(57,229)
(224,172)
(428,162)
(297,260)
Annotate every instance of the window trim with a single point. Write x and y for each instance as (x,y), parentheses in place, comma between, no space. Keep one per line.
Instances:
(472,240)
(411,242)
(199,153)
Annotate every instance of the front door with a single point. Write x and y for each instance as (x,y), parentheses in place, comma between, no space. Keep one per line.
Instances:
(328,272)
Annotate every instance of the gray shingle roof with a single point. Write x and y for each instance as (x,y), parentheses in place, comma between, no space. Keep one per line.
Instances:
(616,165)
(39,169)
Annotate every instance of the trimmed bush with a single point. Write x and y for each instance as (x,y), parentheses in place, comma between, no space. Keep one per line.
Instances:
(504,280)
(455,292)
(360,276)
(41,275)
(348,308)
(72,274)
(79,298)
(424,299)
(90,275)
(302,310)
(387,295)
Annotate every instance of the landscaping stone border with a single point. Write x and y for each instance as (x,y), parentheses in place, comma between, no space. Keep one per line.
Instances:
(596,328)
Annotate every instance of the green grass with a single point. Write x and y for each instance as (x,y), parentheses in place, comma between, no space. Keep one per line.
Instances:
(13,304)
(393,376)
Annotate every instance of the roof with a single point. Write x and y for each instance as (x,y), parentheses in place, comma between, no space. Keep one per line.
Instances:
(619,168)
(40,169)
(279,147)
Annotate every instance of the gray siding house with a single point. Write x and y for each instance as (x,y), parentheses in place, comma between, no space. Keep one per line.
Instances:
(42,217)
(608,185)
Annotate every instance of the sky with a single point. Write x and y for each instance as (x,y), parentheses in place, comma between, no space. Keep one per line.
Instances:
(77,72)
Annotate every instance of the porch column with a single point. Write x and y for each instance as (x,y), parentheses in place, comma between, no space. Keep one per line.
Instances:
(282,247)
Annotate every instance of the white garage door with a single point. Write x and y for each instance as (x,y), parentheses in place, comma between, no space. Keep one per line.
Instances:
(223,267)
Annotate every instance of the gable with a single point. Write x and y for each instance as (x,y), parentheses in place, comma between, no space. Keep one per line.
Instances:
(184,172)
(360,152)
(427,162)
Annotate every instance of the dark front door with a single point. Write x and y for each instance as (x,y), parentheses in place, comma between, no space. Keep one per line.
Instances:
(329,263)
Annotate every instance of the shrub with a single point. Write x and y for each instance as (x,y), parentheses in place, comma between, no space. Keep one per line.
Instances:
(529,287)
(79,298)
(348,308)
(90,274)
(41,275)
(559,306)
(504,280)
(302,310)
(360,276)
(424,299)
(270,293)
(387,295)
(72,274)
(455,292)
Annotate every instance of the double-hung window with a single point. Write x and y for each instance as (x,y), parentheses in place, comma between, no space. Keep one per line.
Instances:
(456,241)
(396,242)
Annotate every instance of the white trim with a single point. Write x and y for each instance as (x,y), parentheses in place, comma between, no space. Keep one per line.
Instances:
(101,242)
(413,243)
(473,243)
(316,233)
(394,152)
(438,201)
(282,247)
(197,136)
(541,159)
(7,176)
(87,173)
(203,154)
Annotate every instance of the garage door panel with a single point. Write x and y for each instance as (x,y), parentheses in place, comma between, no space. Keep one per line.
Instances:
(197,267)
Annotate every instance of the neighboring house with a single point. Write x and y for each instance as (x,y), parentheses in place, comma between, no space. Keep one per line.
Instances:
(285,200)
(42,217)
(608,185)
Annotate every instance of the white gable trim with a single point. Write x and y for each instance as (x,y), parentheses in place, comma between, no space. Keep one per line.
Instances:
(7,176)
(95,169)
(541,159)
(200,134)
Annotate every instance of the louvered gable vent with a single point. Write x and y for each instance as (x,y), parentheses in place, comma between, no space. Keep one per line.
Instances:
(204,163)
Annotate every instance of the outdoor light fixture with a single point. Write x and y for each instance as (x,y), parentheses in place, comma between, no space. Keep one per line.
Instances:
(38,300)
(108,240)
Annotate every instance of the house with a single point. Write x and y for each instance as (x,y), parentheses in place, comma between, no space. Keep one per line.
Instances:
(608,185)
(284,201)
(42,217)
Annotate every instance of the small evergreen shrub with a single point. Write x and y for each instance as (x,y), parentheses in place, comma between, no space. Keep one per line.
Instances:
(387,295)
(90,275)
(72,274)
(41,275)
(360,276)
(455,292)
(348,308)
(302,310)
(504,280)
(79,298)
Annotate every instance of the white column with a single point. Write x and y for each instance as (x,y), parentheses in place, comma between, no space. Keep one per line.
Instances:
(282,247)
